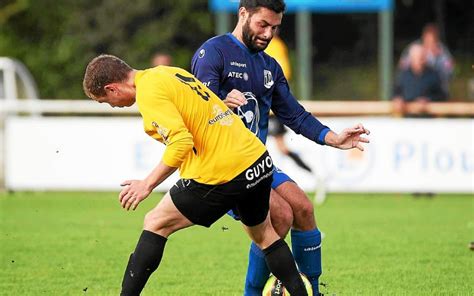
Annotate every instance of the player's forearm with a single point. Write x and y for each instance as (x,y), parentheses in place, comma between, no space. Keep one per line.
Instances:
(177,151)
(331,139)
(160,173)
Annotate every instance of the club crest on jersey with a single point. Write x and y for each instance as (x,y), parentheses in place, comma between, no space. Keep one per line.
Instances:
(162,131)
(250,113)
(267,79)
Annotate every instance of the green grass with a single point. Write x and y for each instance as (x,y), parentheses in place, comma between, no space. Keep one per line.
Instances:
(57,243)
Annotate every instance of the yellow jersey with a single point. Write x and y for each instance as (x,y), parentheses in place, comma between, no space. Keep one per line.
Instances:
(203,137)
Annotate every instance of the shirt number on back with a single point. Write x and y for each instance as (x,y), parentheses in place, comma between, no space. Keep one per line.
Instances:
(191,82)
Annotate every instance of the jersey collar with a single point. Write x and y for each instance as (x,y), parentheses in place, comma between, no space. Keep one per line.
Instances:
(240,44)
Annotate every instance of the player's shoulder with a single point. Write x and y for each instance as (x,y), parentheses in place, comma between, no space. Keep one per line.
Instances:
(150,74)
(161,78)
(269,61)
(217,43)
(212,51)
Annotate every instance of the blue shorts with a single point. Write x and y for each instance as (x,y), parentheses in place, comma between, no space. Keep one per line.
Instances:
(279,177)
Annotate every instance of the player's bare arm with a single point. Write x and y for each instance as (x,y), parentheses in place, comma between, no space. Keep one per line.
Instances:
(137,190)
(349,138)
(235,99)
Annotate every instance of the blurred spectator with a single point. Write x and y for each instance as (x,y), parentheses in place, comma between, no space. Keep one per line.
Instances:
(418,83)
(279,51)
(278,131)
(161,59)
(437,55)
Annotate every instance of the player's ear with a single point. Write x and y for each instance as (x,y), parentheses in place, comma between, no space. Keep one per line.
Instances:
(111,88)
(242,14)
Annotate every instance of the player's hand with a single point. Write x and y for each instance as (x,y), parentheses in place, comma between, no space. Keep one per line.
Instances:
(351,138)
(235,99)
(134,192)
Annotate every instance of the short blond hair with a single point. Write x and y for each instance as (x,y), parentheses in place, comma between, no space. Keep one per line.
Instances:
(102,70)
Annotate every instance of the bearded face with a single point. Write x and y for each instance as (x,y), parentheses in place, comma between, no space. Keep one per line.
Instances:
(251,38)
(259,28)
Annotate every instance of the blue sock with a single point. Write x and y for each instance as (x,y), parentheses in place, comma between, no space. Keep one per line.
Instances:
(306,246)
(257,272)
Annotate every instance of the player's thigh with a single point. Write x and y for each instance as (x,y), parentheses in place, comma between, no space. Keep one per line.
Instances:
(253,205)
(202,204)
(303,211)
(165,218)
(281,214)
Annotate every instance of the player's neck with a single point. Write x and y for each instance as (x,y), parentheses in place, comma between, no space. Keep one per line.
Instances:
(131,78)
(237,33)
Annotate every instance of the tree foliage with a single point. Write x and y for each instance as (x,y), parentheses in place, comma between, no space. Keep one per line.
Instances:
(56,39)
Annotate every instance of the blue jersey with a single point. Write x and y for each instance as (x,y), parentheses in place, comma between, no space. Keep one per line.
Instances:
(223,63)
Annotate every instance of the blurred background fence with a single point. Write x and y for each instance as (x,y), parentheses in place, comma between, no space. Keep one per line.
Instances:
(60,144)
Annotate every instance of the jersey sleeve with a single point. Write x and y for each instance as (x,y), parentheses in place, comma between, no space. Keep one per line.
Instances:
(292,114)
(169,125)
(207,65)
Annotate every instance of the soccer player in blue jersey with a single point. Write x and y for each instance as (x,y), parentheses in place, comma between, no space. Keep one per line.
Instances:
(250,82)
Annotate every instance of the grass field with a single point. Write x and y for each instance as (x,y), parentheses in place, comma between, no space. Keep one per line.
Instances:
(57,243)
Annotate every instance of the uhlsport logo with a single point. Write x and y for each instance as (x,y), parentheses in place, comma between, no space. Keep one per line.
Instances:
(250,113)
(239,65)
(202,52)
(267,79)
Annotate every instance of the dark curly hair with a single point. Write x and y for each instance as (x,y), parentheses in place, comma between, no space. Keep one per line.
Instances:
(253,5)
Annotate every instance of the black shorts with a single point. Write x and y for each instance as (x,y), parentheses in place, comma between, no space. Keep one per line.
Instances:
(248,194)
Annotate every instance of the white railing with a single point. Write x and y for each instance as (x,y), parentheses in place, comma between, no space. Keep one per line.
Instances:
(320,108)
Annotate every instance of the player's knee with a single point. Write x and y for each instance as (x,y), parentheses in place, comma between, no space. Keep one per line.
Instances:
(152,222)
(306,210)
(304,216)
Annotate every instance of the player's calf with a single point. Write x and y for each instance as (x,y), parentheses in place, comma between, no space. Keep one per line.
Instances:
(305,237)
(277,256)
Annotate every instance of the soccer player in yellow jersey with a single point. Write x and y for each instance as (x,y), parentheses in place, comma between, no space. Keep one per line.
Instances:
(222,165)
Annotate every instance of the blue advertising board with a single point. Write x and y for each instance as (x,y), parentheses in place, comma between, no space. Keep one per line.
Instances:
(323,6)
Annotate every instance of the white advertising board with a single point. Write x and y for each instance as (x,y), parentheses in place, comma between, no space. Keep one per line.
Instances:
(80,153)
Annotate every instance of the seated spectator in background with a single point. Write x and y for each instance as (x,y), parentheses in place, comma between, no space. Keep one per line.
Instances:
(419,83)
(437,55)
(161,59)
